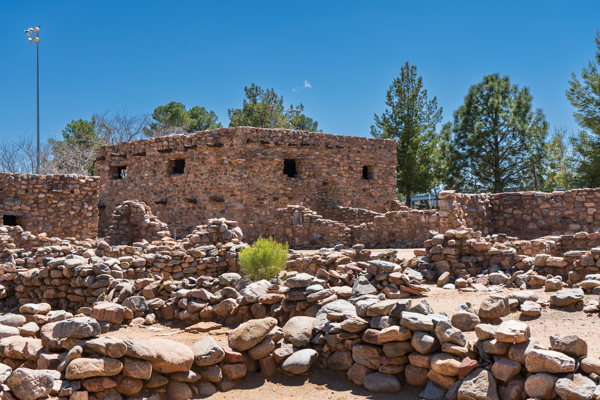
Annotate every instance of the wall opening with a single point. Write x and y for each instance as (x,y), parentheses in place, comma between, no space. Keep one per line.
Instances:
(10,220)
(118,172)
(367,172)
(289,167)
(178,166)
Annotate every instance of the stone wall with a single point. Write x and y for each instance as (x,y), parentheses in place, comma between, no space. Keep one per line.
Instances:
(58,205)
(245,174)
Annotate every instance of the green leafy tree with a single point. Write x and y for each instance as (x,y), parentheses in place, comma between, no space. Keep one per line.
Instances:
(562,162)
(496,142)
(260,104)
(75,153)
(173,118)
(584,95)
(411,119)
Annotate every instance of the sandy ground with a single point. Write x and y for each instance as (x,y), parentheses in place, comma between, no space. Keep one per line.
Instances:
(324,384)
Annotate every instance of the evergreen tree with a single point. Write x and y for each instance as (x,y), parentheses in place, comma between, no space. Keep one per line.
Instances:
(173,118)
(497,141)
(411,119)
(584,95)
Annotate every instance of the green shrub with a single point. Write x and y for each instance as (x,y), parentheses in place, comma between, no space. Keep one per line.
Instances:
(264,259)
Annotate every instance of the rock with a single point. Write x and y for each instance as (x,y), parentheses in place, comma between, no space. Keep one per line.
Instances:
(5,372)
(354,325)
(416,321)
(445,364)
(234,371)
(566,298)
(523,295)
(491,308)
(128,386)
(512,332)
(206,389)
(35,309)
(135,368)
(571,345)
(114,348)
(179,391)
(531,309)
(14,320)
(505,369)
(139,350)
(136,303)
(464,320)
(82,368)
(382,383)
(466,366)
(396,349)
(442,381)
(589,365)
(301,280)
(485,331)
(108,312)
(250,333)
(551,361)
(368,355)
(416,376)
(207,352)
(8,331)
(514,390)
(575,387)
(432,392)
(362,287)
(497,278)
(424,343)
(300,362)
(75,352)
(298,331)
(541,386)
(262,350)
(340,361)
(357,373)
(443,279)
(170,356)
(77,328)
(478,385)
(30,384)
(29,329)
(445,332)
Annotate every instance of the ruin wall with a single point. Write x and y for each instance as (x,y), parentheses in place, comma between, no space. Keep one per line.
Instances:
(244,173)
(57,205)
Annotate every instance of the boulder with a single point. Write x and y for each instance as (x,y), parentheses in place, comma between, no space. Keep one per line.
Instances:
(512,332)
(433,392)
(571,345)
(575,387)
(445,364)
(77,328)
(382,383)
(551,361)
(541,386)
(298,330)
(179,391)
(262,350)
(108,312)
(505,369)
(207,352)
(170,356)
(7,331)
(14,320)
(478,385)
(357,373)
(424,343)
(135,368)
(566,298)
(368,355)
(250,333)
(464,320)
(35,309)
(82,368)
(30,384)
(300,362)
(416,321)
(491,308)
(531,309)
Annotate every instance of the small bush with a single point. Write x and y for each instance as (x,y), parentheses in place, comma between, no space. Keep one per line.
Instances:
(264,259)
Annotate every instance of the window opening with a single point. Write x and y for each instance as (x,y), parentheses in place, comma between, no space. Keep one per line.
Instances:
(289,168)
(178,166)
(367,172)
(10,220)
(118,172)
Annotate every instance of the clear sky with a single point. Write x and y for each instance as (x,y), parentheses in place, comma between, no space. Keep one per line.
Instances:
(337,58)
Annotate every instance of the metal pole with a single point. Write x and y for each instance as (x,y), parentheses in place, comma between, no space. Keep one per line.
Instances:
(37,61)
(271,119)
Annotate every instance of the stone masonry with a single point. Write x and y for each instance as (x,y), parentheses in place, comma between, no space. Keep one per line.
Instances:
(245,174)
(58,205)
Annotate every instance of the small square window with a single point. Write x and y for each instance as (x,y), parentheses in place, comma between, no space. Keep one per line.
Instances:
(118,172)
(10,220)
(289,168)
(367,172)
(178,166)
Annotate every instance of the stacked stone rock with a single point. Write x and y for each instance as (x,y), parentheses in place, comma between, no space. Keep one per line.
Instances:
(133,221)
(60,205)
(380,343)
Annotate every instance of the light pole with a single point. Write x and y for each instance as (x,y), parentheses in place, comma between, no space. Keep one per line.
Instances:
(35,32)
(271,111)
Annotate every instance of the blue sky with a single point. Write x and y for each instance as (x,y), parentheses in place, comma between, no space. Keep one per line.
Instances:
(98,56)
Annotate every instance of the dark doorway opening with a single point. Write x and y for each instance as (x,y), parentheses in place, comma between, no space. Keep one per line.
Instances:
(367,172)
(10,220)
(179,166)
(289,168)
(118,172)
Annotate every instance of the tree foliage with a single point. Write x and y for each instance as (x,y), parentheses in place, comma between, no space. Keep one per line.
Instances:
(173,118)
(562,161)
(411,119)
(496,142)
(264,259)
(255,111)
(75,153)
(584,95)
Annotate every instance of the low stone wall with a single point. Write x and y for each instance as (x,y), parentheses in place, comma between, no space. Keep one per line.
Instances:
(58,205)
